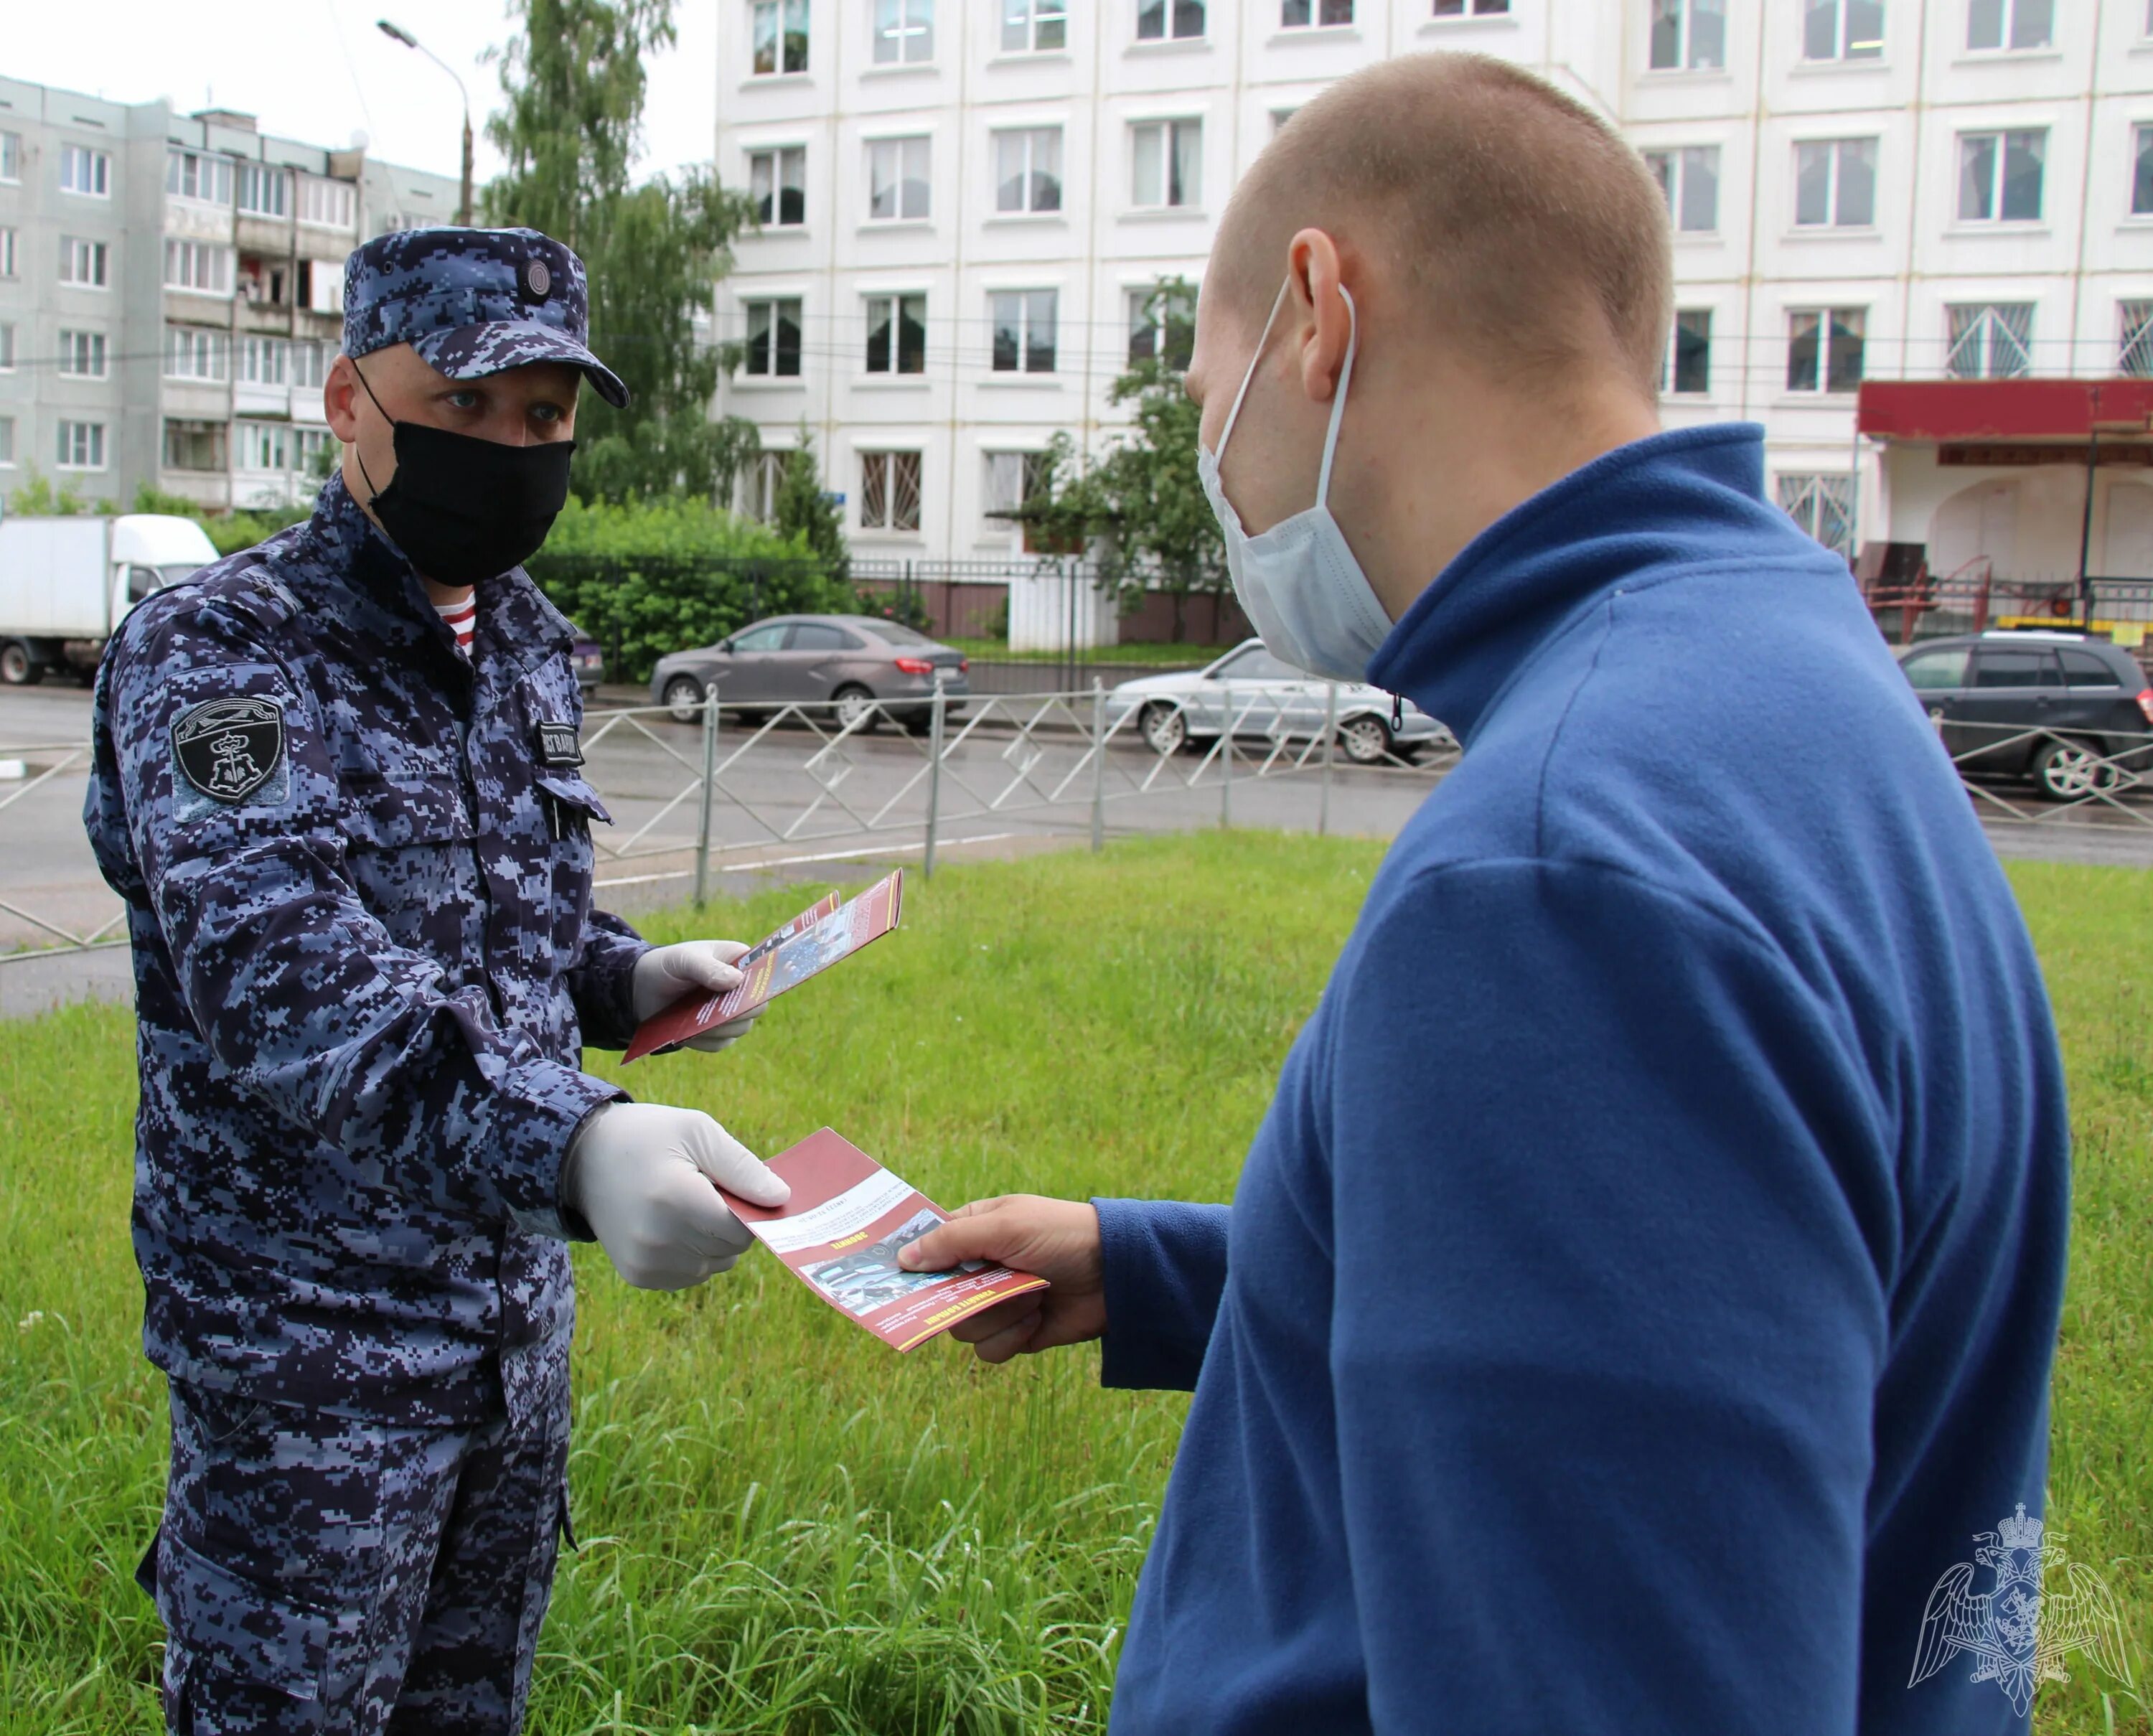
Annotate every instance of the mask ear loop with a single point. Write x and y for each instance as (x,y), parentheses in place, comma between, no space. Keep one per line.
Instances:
(1338,398)
(373,493)
(1234,415)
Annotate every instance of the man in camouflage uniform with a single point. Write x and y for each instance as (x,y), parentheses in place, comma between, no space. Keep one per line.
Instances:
(356,857)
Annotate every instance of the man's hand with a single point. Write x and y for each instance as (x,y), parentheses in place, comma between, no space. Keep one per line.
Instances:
(1056,1240)
(694,967)
(641,1174)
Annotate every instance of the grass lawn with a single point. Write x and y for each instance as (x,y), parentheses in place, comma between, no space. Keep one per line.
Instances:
(994,650)
(785,1527)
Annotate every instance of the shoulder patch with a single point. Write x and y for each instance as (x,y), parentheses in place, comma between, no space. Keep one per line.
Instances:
(229,748)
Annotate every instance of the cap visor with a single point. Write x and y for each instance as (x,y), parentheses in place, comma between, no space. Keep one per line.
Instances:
(472,352)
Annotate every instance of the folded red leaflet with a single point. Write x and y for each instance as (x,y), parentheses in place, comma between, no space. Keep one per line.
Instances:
(840,1233)
(818,938)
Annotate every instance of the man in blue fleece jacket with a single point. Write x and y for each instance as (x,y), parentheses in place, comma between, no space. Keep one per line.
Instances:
(1643,1286)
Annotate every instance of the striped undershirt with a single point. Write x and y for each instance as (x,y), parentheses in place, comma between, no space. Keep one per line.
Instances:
(462,619)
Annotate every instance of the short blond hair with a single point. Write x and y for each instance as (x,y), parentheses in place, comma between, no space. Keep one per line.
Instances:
(1536,234)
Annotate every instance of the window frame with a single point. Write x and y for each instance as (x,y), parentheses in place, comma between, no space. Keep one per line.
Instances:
(1827,333)
(777,157)
(100,163)
(1029,176)
(11,158)
(773,337)
(1686,13)
(2141,169)
(1843,496)
(2134,358)
(783,39)
(1672,369)
(892,464)
(262,175)
(216,430)
(10,251)
(1036,15)
(1837,151)
(209,341)
(61,444)
(1441,10)
(901,146)
(1316,20)
(1676,184)
(1989,320)
(1842,29)
(1171,14)
(1998,176)
(179,161)
(6,346)
(897,304)
(1152,314)
(196,251)
(99,254)
(1027,347)
(877,32)
(1170,131)
(2007,16)
(79,346)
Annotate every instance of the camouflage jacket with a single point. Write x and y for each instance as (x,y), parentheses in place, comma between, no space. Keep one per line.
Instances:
(357,869)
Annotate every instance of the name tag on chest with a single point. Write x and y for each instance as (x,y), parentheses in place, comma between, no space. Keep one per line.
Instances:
(557,745)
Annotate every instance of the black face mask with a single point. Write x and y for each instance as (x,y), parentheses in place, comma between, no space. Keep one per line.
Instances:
(462,508)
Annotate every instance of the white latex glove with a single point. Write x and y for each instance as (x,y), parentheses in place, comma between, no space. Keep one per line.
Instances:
(641,1174)
(664,974)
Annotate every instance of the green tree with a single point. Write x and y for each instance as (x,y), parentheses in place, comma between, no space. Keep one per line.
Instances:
(37,498)
(1140,505)
(805,510)
(575,84)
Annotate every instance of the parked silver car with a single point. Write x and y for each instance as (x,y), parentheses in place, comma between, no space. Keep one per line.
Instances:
(1267,697)
(853,660)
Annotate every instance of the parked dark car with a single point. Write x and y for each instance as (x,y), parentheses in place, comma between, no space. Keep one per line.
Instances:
(852,660)
(2048,706)
(588,660)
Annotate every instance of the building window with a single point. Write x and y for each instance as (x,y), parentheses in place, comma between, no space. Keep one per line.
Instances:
(2009,23)
(328,204)
(2141,177)
(82,262)
(309,364)
(265,361)
(777,183)
(1162,326)
(82,355)
(80,446)
(1824,348)
(778,30)
(1164,20)
(1835,184)
(1313,14)
(1024,321)
(320,286)
(897,334)
(1688,35)
(759,484)
(904,31)
(84,171)
(773,338)
(10,157)
(1992,340)
(889,490)
(1999,176)
(1690,178)
(264,191)
(1687,370)
(6,443)
(7,252)
(199,267)
(897,184)
(1167,159)
(6,346)
(1012,478)
(1822,506)
(194,445)
(1035,27)
(196,352)
(1842,29)
(1028,170)
(308,448)
(261,445)
(1478,8)
(2135,355)
(197,175)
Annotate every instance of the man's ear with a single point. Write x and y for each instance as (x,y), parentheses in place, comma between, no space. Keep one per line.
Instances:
(1316,275)
(340,400)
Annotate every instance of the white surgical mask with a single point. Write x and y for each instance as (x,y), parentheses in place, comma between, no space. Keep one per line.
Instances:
(1298,582)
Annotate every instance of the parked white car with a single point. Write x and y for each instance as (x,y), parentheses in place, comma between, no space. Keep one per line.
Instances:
(1268,699)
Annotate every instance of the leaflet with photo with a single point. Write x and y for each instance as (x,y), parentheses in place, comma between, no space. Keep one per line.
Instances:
(818,938)
(840,1234)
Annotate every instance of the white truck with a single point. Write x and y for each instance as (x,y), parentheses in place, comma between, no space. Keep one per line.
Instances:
(64,583)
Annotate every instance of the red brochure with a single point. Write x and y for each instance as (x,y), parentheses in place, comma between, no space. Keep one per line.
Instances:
(818,938)
(840,1233)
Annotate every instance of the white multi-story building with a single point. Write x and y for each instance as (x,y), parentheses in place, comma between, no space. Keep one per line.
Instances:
(965,205)
(171,292)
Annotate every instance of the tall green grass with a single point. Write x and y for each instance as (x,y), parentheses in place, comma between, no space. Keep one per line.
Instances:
(785,1526)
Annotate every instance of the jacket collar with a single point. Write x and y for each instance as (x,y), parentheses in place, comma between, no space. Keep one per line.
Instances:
(376,588)
(1694,494)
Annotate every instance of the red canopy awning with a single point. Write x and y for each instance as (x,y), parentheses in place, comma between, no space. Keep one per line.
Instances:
(2004,410)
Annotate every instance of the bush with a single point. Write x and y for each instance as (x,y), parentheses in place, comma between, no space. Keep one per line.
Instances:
(656,576)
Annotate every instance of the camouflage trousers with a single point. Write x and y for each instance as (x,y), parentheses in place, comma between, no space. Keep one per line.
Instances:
(332,1574)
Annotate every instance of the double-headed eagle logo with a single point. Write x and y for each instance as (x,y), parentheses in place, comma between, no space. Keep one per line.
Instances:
(2018,1633)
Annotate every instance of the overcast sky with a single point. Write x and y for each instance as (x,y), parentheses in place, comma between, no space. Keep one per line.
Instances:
(317,70)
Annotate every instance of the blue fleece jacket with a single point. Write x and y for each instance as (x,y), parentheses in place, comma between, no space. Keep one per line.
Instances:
(1643,1286)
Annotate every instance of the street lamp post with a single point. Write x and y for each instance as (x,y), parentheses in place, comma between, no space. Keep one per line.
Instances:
(409,41)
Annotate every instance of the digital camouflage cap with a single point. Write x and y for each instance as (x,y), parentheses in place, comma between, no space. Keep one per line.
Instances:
(473,301)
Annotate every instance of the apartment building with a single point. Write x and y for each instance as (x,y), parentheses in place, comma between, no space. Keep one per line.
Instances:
(965,209)
(171,294)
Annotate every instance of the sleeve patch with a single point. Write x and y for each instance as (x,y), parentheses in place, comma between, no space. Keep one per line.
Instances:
(228,749)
